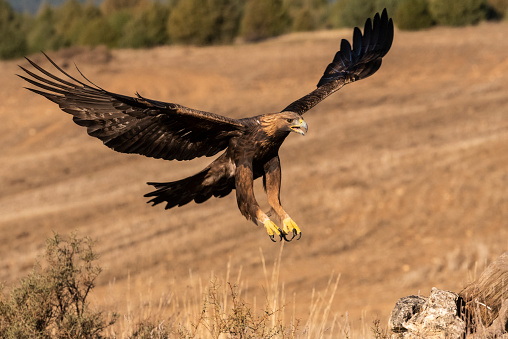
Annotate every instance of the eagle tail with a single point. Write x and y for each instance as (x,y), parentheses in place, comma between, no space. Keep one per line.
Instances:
(197,187)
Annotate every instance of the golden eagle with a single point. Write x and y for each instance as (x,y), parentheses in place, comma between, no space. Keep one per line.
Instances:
(174,132)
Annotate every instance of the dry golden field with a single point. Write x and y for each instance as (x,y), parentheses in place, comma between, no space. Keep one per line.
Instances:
(400,185)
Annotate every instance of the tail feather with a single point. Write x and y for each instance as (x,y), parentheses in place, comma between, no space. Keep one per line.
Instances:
(194,188)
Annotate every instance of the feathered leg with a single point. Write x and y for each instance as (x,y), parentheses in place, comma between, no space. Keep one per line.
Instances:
(246,200)
(272,183)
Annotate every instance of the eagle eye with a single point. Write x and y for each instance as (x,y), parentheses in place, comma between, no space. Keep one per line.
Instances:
(289,120)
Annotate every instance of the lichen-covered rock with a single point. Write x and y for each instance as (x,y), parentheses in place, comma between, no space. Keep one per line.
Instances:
(404,309)
(437,318)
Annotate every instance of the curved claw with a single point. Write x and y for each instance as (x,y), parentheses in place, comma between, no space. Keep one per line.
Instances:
(284,236)
(291,226)
(295,232)
(272,229)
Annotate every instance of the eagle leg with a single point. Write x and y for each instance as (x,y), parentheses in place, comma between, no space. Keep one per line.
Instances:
(247,203)
(272,182)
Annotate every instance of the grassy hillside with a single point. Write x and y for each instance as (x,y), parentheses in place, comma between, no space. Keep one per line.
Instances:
(398,186)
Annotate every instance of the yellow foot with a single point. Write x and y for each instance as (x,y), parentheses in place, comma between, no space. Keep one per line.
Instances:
(272,229)
(289,226)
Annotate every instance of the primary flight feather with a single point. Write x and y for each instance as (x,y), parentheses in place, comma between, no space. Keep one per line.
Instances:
(174,132)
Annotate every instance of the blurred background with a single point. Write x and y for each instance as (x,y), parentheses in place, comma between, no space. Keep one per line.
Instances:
(34,25)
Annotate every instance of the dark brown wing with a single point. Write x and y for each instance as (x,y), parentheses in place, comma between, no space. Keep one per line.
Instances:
(136,124)
(351,64)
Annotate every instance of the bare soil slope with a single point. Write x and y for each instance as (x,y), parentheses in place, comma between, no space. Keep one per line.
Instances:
(401,183)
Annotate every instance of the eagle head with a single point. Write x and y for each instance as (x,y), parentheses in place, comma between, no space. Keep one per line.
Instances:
(291,122)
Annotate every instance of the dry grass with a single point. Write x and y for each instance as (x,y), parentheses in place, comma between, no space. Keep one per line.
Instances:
(398,186)
(222,306)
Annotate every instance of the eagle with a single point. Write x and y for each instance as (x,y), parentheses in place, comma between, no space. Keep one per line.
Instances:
(171,131)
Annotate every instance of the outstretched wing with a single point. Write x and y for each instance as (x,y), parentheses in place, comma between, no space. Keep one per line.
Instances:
(351,63)
(136,124)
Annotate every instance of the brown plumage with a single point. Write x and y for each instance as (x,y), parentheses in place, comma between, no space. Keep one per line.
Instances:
(174,132)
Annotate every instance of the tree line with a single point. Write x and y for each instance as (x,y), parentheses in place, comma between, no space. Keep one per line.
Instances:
(149,23)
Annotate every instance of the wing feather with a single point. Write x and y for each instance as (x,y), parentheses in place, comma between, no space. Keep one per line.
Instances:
(351,63)
(135,124)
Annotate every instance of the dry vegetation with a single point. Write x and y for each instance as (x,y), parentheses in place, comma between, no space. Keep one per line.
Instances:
(399,186)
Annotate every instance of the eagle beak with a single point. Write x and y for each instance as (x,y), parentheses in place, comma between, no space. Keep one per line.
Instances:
(300,127)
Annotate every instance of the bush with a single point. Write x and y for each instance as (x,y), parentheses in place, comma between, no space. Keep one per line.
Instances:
(147,28)
(390,5)
(499,7)
(42,35)
(413,15)
(204,22)
(458,12)
(109,7)
(67,21)
(263,19)
(303,20)
(13,41)
(118,22)
(52,301)
(351,13)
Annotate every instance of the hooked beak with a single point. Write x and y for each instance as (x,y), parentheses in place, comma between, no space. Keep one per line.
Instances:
(300,127)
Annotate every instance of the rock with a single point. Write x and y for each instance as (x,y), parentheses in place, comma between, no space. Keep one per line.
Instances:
(404,309)
(436,318)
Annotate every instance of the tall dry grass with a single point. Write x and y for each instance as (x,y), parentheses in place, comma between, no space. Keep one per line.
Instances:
(227,307)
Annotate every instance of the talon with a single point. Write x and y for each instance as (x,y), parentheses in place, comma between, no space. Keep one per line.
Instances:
(286,239)
(291,226)
(272,229)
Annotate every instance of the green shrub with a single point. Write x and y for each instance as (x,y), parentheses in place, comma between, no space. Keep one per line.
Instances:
(303,20)
(499,8)
(413,15)
(13,42)
(52,301)
(42,35)
(109,7)
(263,19)
(457,12)
(117,22)
(390,5)
(351,13)
(147,28)
(204,22)
(67,21)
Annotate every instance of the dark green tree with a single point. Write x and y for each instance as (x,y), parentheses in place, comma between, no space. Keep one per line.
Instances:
(226,19)
(303,20)
(42,35)
(390,5)
(117,22)
(499,8)
(191,22)
(458,12)
(111,6)
(350,13)
(13,42)
(95,29)
(413,15)
(264,18)
(147,28)
(68,21)
(203,22)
